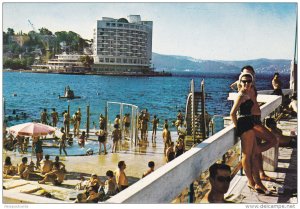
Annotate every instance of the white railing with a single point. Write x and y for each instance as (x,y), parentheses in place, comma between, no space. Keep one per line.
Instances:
(163,185)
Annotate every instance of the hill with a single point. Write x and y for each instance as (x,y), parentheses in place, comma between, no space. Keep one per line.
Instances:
(181,64)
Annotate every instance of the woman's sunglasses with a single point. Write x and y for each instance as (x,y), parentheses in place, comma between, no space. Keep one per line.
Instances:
(246,81)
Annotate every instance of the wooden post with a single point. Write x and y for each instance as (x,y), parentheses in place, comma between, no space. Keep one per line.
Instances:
(68,124)
(106,117)
(212,126)
(121,122)
(203,124)
(193,110)
(136,137)
(87,120)
(191,193)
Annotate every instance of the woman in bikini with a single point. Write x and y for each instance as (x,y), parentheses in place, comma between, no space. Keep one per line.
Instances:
(245,129)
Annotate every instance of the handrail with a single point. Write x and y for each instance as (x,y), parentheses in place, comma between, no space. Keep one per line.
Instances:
(179,173)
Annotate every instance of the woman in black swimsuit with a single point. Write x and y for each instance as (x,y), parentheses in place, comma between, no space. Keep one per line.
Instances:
(244,128)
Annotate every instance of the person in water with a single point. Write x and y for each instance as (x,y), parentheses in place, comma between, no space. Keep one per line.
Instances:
(82,139)
(151,166)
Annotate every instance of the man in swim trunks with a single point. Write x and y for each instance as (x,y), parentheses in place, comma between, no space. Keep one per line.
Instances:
(44,116)
(46,165)
(54,116)
(116,137)
(66,122)
(155,122)
(126,121)
(78,120)
(121,178)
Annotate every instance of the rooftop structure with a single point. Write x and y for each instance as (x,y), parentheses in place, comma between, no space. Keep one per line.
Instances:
(122,45)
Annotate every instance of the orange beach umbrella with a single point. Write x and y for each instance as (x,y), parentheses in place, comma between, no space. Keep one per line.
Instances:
(31,129)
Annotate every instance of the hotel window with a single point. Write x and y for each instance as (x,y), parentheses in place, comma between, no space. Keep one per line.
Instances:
(118,60)
(106,59)
(125,60)
(107,24)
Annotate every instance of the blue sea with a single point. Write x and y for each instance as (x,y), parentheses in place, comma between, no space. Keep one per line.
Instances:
(30,93)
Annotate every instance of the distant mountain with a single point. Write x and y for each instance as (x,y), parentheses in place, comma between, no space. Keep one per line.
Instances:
(181,64)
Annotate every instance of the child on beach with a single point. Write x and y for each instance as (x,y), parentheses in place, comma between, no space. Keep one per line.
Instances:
(8,168)
(23,169)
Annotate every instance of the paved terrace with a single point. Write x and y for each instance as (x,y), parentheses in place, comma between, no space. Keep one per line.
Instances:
(285,187)
(136,159)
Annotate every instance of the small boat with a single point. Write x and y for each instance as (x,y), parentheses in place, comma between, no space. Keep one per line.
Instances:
(69,94)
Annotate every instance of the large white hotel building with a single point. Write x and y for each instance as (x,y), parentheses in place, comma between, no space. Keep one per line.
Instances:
(122,45)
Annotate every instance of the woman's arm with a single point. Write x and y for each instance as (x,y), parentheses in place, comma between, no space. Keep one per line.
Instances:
(234,85)
(235,108)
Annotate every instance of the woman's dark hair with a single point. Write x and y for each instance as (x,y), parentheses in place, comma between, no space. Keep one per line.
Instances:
(215,167)
(248,67)
(47,157)
(151,164)
(24,160)
(7,161)
(110,173)
(120,164)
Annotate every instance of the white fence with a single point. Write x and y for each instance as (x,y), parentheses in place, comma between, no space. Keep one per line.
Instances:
(163,185)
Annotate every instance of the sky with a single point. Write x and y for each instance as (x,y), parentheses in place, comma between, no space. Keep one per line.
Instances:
(210,31)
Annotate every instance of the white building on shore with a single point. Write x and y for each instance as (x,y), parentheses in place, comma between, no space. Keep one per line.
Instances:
(62,63)
(122,45)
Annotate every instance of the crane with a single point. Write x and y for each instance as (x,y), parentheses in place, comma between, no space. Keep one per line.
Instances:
(32,25)
(44,42)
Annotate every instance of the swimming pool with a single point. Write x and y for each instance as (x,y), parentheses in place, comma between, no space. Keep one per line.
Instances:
(51,147)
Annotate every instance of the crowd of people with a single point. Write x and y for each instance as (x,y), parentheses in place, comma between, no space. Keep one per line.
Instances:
(245,115)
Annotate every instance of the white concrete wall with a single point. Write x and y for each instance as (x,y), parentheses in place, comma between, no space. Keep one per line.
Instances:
(163,185)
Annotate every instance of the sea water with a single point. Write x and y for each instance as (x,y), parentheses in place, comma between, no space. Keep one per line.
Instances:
(30,93)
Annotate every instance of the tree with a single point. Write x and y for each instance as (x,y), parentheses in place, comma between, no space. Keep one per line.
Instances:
(10,32)
(45,31)
(86,60)
(5,38)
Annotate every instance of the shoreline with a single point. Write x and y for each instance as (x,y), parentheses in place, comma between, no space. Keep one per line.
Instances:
(152,74)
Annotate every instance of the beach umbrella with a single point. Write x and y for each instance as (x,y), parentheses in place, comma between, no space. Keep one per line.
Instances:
(31,129)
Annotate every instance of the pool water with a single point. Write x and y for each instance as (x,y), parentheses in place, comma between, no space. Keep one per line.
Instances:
(52,147)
